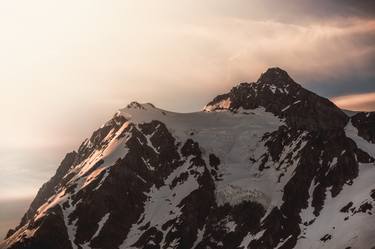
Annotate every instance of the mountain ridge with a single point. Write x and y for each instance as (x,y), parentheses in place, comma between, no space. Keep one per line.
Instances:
(258,168)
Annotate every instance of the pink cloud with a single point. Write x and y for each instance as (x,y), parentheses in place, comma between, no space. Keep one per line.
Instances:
(357,102)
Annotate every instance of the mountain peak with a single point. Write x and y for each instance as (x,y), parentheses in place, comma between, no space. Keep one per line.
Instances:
(278,93)
(276,76)
(273,85)
(137,105)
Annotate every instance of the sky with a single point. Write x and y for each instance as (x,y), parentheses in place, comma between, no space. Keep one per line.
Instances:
(67,66)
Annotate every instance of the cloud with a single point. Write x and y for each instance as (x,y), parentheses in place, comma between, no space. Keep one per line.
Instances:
(356,102)
(298,12)
(327,58)
(344,8)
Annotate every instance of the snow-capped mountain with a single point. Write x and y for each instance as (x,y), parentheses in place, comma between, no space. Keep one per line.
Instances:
(267,165)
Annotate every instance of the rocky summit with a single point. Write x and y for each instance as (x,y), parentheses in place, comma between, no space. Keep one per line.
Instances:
(267,165)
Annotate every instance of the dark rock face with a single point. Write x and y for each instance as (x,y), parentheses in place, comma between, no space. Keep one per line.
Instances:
(123,182)
(315,168)
(365,123)
(279,94)
(42,238)
(144,185)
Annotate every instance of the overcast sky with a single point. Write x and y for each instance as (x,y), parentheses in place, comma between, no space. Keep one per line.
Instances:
(67,66)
